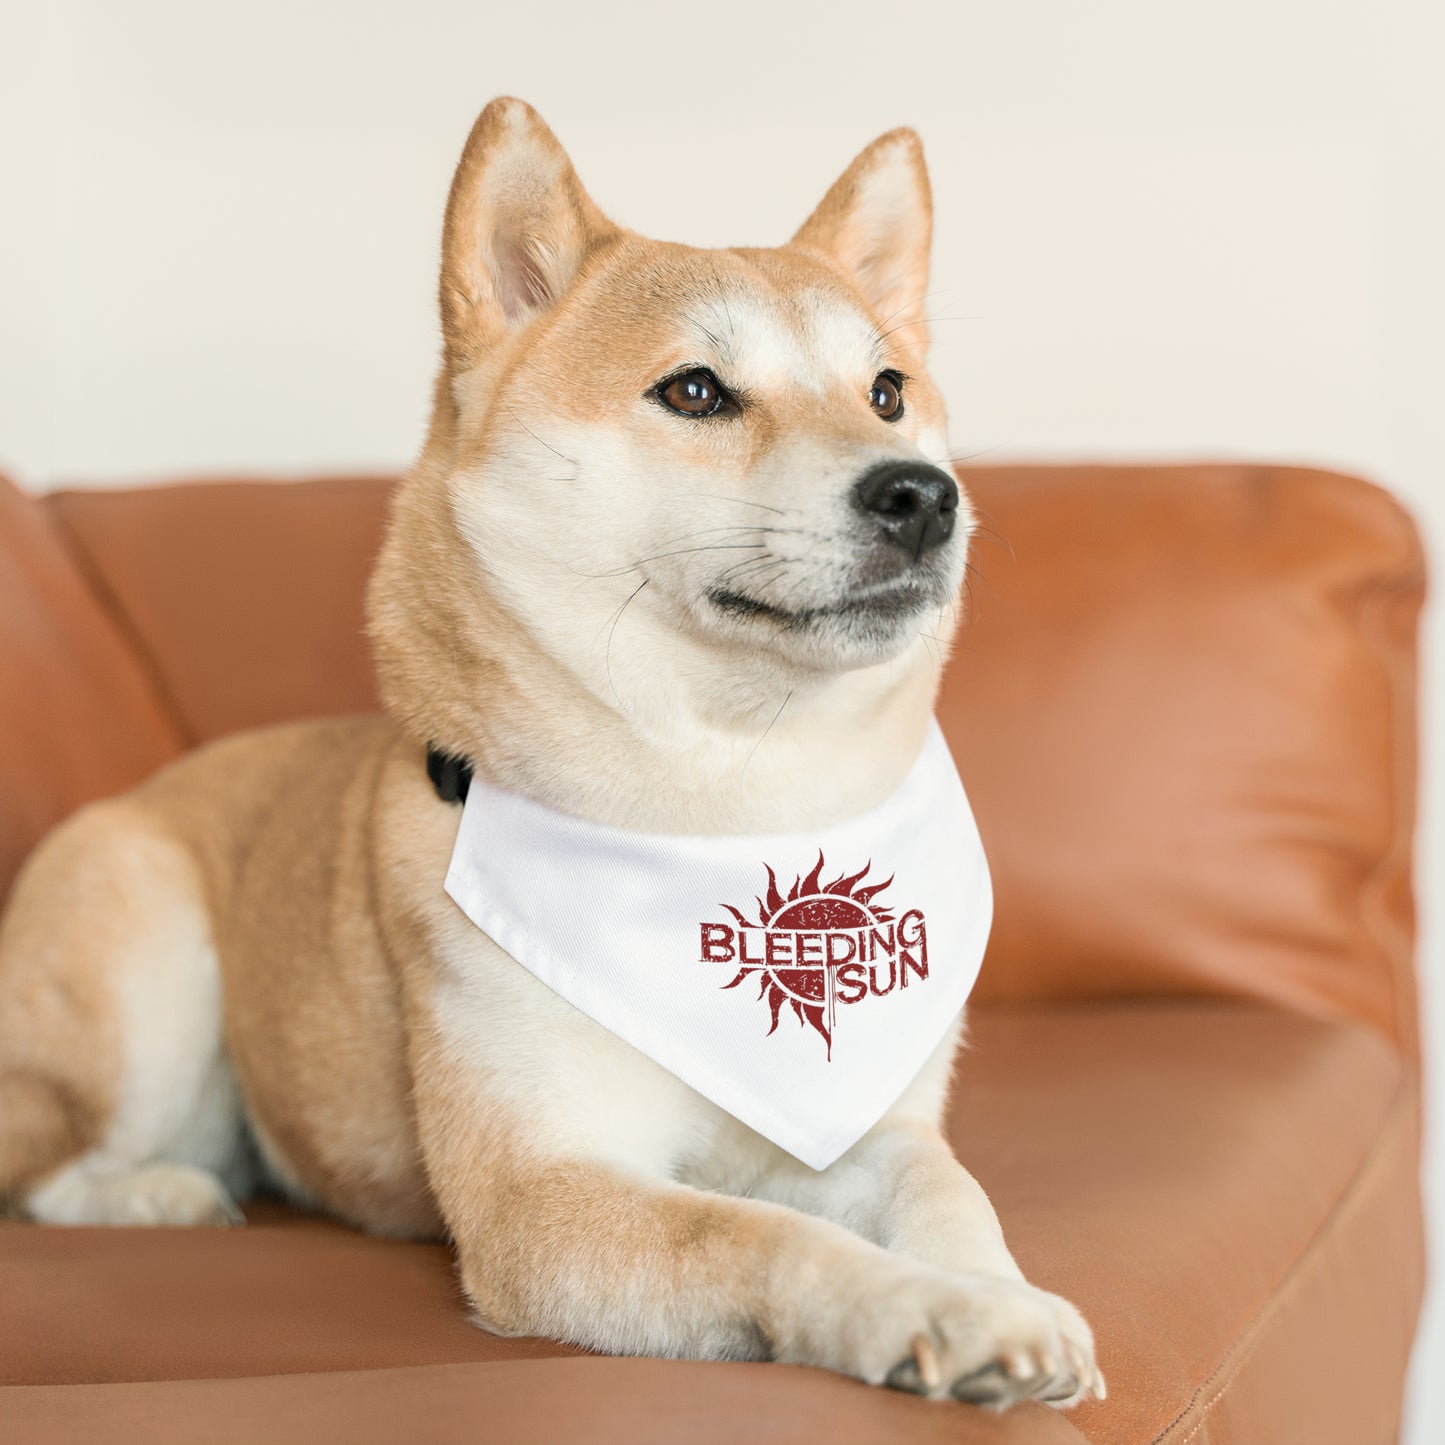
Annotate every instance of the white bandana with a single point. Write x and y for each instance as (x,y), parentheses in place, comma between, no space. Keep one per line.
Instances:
(798,980)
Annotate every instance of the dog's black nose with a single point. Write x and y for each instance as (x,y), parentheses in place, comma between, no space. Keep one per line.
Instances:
(914,504)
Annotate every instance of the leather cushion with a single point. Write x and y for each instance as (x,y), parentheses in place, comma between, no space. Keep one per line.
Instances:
(79,716)
(247,597)
(1184,711)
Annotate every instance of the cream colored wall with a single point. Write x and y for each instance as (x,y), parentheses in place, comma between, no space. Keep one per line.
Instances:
(1164,229)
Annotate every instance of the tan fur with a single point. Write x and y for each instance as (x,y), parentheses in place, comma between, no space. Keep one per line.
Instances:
(547,605)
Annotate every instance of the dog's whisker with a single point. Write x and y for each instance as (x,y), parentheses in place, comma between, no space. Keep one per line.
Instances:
(658,556)
(686,551)
(737,568)
(924,321)
(761,578)
(732,531)
(571,461)
(766,731)
(880,350)
(991,531)
(761,573)
(958,458)
(907,305)
(739,531)
(724,546)
(803,581)
(706,547)
(748,502)
(612,633)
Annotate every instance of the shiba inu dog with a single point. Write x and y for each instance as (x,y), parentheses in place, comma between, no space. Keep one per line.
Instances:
(677,557)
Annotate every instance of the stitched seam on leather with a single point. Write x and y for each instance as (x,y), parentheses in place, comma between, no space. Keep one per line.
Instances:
(1299,1272)
(1400,681)
(124,623)
(1403,580)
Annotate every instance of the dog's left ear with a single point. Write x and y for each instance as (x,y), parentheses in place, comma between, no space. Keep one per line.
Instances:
(877,223)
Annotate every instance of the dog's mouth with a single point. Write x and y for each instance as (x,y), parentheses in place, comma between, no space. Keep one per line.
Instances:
(886,603)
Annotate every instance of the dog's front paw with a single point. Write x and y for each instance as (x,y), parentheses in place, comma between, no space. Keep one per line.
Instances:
(979,1338)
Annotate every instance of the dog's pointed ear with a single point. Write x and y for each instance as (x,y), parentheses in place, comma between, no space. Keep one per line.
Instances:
(518,227)
(877,223)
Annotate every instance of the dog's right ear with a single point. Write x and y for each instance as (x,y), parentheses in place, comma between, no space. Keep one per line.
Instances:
(518,227)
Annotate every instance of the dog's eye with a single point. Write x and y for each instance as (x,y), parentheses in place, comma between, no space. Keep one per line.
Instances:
(694,393)
(886,397)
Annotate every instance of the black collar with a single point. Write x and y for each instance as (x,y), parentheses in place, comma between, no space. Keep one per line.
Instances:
(450,775)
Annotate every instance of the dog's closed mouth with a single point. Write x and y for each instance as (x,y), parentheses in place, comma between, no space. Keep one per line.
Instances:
(877,603)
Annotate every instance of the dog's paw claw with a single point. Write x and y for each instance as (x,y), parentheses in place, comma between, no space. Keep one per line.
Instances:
(1063,1390)
(919,1374)
(905,1376)
(988,1386)
(925,1353)
(226,1215)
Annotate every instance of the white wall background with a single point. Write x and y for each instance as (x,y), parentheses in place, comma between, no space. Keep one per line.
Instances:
(1164,229)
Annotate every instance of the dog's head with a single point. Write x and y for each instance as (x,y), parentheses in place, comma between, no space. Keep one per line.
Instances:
(739,451)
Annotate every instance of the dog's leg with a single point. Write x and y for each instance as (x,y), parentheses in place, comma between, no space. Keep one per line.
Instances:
(116,1104)
(900,1185)
(901,1188)
(614,1259)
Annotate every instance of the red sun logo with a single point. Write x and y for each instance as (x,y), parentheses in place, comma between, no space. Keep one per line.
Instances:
(822,945)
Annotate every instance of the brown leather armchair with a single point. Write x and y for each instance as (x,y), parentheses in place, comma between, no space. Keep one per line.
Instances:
(1185,710)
